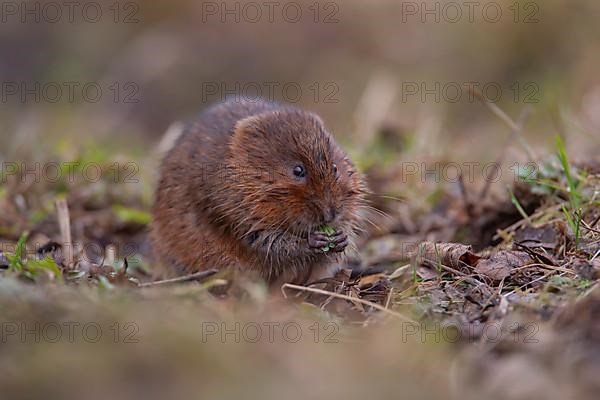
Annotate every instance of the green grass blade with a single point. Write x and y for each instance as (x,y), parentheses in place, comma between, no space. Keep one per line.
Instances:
(516,203)
(574,195)
(16,260)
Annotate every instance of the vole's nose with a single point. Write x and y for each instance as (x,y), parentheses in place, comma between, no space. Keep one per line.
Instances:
(329,214)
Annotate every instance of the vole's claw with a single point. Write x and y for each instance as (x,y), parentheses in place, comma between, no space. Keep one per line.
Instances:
(341,246)
(340,241)
(318,241)
(339,237)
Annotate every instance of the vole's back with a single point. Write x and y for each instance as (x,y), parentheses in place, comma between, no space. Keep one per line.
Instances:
(189,176)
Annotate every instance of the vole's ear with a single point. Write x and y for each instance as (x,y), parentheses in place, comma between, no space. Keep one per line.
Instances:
(247,128)
(247,125)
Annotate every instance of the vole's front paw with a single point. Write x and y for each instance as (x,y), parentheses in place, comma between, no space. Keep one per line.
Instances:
(318,242)
(339,241)
(321,243)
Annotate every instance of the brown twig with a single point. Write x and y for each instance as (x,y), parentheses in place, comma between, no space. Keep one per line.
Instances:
(534,254)
(64,222)
(589,228)
(196,276)
(345,297)
(389,298)
(541,278)
(595,221)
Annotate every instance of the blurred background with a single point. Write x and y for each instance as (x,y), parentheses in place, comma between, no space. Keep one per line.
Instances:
(399,83)
(119,73)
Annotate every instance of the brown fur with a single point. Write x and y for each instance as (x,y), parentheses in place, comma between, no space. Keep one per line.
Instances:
(227,195)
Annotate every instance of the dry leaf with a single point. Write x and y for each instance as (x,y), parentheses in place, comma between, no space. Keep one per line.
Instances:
(501,264)
(548,237)
(454,255)
(370,280)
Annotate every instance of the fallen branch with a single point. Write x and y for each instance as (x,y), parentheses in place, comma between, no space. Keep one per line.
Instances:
(64,222)
(196,276)
(349,298)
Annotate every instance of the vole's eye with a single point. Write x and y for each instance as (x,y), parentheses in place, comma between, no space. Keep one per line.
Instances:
(335,171)
(299,171)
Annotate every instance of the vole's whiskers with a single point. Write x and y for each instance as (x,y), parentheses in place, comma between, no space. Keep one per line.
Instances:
(388,197)
(377,211)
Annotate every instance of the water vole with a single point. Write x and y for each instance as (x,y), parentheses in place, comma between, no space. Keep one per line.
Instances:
(250,184)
